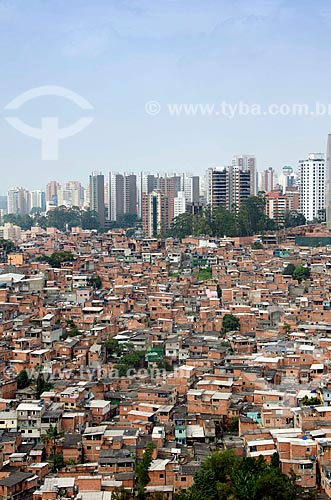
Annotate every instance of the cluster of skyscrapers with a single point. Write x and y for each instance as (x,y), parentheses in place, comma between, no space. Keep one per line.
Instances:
(158,199)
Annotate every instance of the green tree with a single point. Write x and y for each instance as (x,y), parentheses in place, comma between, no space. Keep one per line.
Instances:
(42,385)
(257,245)
(57,258)
(293,218)
(7,246)
(126,221)
(113,347)
(301,273)
(234,425)
(63,217)
(223,222)
(120,494)
(24,221)
(275,461)
(182,226)
(142,471)
(57,463)
(252,218)
(22,379)
(131,360)
(312,401)
(204,487)
(53,435)
(222,464)
(225,477)
(95,282)
(89,219)
(230,323)
(39,220)
(289,269)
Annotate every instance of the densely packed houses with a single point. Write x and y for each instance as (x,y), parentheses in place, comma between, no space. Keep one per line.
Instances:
(194,346)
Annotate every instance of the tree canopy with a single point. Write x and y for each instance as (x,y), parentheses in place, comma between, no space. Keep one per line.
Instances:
(293,218)
(22,379)
(113,347)
(224,476)
(57,258)
(230,323)
(60,217)
(142,470)
(131,360)
(249,219)
(6,247)
(300,272)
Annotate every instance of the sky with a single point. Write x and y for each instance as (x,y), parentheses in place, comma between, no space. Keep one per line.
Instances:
(119,55)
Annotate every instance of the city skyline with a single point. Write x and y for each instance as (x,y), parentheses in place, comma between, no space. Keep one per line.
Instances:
(84,180)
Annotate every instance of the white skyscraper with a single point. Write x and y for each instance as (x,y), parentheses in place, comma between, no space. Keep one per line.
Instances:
(328,180)
(191,187)
(312,186)
(37,199)
(179,203)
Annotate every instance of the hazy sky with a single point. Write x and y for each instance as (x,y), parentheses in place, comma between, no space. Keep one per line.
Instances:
(119,54)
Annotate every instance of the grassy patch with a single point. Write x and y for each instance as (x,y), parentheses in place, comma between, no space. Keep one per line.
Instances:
(205,274)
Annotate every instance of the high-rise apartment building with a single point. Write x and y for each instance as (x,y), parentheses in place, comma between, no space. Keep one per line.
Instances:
(122,195)
(18,201)
(229,186)
(71,194)
(328,185)
(190,184)
(130,194)
(51,192)
(97,196)
(292,193)
(239,185)
(218,187)
(277,205)
(179,203)
(145,185)
(169,186)
(115,195)
(155,213)
(267,181)
(312,186)
(247,163)
(37,199)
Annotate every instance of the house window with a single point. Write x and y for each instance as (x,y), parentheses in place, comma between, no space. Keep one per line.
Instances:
(161,476)
(183,479)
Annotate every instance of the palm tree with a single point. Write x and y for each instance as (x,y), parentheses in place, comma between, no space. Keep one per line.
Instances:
(53,435)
